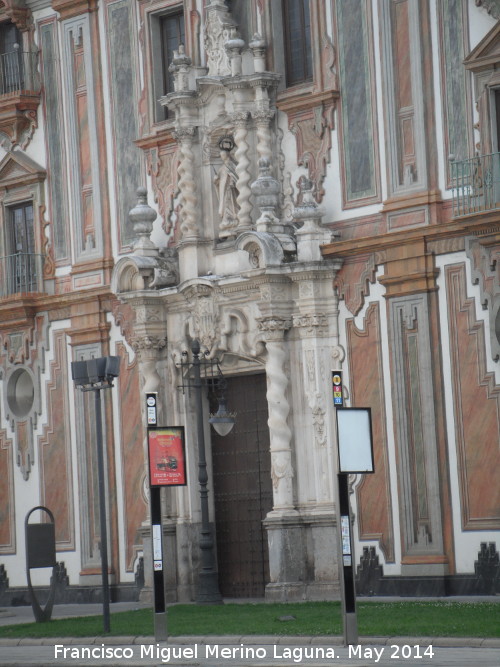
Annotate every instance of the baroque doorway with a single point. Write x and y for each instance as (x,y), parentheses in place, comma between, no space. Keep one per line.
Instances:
(243,490)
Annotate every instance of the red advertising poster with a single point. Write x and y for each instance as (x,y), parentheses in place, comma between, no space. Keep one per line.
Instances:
(167,460)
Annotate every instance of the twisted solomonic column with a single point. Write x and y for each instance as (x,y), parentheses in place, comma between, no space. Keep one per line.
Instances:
(187,184)
(263,132)
(280,434)
(242,171)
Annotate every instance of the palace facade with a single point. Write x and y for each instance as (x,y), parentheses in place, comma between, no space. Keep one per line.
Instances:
(301,186)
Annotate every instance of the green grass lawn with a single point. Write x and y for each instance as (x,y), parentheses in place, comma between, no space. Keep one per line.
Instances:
(407,618)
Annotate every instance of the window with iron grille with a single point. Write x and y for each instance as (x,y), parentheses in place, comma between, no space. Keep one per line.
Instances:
(21,264)
(297,32)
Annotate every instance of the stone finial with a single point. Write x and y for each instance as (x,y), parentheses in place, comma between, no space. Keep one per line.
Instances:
(312,233)
(266,191)
(234,46)
(142,217)
(258,49)
(180,68)
(307,210)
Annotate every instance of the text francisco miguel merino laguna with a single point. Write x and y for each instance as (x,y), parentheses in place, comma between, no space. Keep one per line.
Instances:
(167,653)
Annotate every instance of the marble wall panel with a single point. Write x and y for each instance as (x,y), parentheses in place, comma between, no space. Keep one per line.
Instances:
(54,450)
(132,454)
(54,125)
(415,428)
(124,100)
(403,24)
(454,46)
(364,356)
(7,523)
(88,484)
(476,400)
(83,145)
(358,129)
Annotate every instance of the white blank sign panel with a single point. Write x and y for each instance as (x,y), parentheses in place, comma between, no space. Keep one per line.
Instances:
(355,440)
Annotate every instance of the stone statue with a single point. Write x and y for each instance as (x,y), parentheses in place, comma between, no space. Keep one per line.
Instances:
(225,182)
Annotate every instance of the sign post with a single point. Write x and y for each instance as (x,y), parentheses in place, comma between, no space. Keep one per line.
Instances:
(355,451)
(160,614)
(167,467)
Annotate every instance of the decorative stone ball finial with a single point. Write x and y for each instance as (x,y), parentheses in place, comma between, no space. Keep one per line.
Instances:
(142,217)
(266,191)
(234,46)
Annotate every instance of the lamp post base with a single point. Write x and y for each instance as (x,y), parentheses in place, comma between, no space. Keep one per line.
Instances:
(208,589)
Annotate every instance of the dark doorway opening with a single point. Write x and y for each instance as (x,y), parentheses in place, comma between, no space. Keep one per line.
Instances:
(243,490)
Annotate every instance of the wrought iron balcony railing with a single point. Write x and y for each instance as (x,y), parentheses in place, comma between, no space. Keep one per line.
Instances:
(18,72)
(21,273)
(476,184)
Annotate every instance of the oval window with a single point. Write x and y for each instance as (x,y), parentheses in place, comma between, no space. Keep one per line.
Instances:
(20,392)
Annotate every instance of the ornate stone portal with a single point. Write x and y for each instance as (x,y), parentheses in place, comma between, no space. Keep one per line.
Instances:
(252,288)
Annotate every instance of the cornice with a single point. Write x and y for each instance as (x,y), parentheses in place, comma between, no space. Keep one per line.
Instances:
(304,98)
(70,8)
(160,136)
(475,225)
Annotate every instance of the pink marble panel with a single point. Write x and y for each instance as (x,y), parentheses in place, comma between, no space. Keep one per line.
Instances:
(55,452)
(7,525)
(132,431)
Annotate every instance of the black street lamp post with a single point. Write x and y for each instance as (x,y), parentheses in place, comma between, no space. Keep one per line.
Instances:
(94,375)
(208,579)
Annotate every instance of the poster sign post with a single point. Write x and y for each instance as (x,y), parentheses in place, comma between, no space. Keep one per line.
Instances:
(355,456)
(167,467)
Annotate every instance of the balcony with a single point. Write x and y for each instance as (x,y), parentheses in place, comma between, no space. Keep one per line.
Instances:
(21,273)
(476,185)
(19,95)
(18,72)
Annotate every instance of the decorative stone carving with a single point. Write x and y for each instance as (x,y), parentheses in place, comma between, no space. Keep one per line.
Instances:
(310,322)
(162,165)
(148,342)
(279,431)
(218,28)
(234,47)
(258,48)
(273,328)
(263,249)
(180,66)
(266,192)
(21,364)
(225,182)
(187,184)
(142,217)
(317,405)
(353,280)
(311,234)
(338,352)
(312,127)
(485,262)
(148,348)
(204,320)
(491,6)
(263,120)
(240,120)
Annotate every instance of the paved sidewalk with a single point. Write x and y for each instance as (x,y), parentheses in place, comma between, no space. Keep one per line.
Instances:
(249,652)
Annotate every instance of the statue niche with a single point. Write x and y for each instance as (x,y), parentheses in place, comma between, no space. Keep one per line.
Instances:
(225,184)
